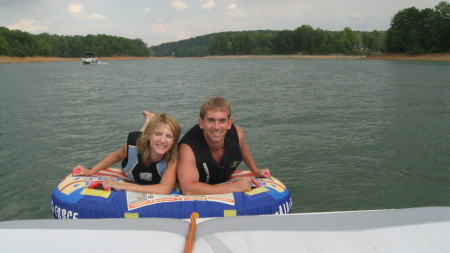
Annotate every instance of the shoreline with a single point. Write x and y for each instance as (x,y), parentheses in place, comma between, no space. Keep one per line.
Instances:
(40,59)
(441,57)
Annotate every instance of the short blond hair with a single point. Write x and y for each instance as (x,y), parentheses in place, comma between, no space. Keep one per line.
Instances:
(215,104)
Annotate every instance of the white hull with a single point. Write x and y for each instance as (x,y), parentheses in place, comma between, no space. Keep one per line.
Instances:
(403,230)
(89,60)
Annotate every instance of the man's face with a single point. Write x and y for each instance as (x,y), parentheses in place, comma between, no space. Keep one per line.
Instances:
(215,125)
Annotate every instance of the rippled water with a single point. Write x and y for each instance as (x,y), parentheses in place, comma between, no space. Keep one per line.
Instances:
(341,134)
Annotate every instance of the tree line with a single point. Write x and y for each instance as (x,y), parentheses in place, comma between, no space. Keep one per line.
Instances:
(304,39)
(201,45)
(411,31)
(19,43)
(193,47)
(420,31)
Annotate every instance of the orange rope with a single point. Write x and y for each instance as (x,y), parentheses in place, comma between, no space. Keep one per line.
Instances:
(191,234)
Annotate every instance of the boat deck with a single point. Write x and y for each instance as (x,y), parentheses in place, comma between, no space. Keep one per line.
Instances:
(424,229)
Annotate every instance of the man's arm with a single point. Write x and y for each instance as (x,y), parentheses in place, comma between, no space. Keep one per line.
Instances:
(188,177)
(247,156)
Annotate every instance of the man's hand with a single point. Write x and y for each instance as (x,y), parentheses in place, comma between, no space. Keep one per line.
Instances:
(242,184)
(263,173)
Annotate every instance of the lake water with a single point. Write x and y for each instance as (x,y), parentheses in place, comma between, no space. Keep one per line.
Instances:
(341,134)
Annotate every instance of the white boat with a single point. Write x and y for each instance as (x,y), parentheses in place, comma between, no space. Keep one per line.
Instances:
(90,58)
(424,229)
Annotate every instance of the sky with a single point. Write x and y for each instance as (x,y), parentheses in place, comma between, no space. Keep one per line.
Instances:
(160,21)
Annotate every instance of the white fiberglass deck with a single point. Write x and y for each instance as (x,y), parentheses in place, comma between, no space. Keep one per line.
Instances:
(402,230)
(405,230)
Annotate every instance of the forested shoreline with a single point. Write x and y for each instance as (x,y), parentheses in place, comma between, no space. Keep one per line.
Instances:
(21,44)
(412,31)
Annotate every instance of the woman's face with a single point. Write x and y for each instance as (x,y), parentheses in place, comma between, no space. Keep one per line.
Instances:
(161,140)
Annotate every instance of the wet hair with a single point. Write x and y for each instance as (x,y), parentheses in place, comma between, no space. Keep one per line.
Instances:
(215,104)
(143,144)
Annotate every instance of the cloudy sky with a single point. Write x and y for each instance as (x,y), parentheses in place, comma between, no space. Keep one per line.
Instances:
(159,21)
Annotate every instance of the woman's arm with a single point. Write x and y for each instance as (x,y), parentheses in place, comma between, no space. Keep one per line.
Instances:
(166,185)
(111,159)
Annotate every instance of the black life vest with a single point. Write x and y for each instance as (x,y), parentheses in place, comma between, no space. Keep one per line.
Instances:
(133,166)
(209,170)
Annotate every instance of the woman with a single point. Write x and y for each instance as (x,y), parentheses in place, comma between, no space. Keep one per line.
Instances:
(149,158)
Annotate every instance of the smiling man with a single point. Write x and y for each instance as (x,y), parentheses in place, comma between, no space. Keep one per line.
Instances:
(211,151)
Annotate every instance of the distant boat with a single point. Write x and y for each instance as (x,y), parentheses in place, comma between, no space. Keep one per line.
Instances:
(89,58)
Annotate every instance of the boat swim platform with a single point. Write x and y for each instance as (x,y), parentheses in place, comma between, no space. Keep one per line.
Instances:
(423,229)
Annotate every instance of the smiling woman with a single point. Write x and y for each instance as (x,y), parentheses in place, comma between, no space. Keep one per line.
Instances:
(149,158)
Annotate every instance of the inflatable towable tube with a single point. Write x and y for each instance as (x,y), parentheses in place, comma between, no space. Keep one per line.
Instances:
(76,197)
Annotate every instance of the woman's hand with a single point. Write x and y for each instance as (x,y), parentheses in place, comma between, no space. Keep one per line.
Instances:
(110,183)
(80,170)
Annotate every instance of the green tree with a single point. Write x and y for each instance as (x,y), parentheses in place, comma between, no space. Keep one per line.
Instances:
(263,43)
(423,31)
(379,38)
(441,27)
(368,40)
(4,46)
(283,42)
(404,33)
(426,21)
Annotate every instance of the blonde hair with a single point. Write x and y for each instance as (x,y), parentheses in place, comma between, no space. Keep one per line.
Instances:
(215,104)
(143,145)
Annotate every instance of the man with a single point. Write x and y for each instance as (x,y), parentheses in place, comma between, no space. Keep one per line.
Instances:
(211,151)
